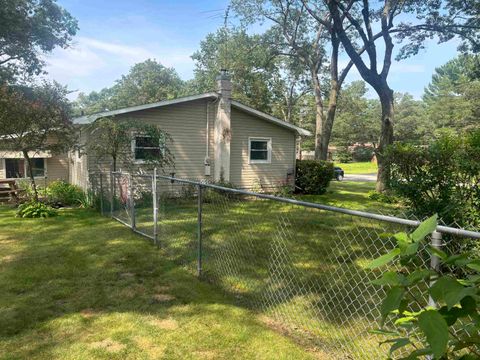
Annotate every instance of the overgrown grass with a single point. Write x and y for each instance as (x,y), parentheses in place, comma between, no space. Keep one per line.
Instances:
(79,286)
(359,167)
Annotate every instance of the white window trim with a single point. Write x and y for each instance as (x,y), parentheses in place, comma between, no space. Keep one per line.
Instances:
(134,146)
(269,150)
(25,169)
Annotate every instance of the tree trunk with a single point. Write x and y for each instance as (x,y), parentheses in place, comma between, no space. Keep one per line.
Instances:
(320,149)
(332,109)
(30,174)
(386,136)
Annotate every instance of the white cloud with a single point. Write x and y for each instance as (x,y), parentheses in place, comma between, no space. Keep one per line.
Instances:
(129,53)
(91,64)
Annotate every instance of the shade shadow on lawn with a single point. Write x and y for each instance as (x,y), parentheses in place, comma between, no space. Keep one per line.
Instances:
(306,268)
(81,286)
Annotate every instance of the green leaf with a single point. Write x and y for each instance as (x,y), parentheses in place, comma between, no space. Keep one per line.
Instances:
(439,253)
(474,265)
(397,343)
(469,305)
(449,290)
(405,320)
(435,328)
(391,302)
(450,315)
(419,275)
(390,278)
(403,239)
(384,259)
(425,228)
(411,249)
(459,259)
(384,332)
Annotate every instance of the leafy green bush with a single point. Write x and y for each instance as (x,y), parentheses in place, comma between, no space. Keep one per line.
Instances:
(447,331)
(313,177)
(442,178)
(343,155)
(61,192)
(34,209)
(362,153)
(383,197)
(26,185)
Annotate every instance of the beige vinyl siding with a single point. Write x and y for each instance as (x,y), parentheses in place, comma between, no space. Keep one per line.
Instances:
(186,124)
(2,169)
(245,175)
(57,168)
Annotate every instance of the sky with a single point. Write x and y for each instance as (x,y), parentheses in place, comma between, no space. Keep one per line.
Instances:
(116,34)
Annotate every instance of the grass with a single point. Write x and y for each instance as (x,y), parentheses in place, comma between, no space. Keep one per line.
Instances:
(80,286)
(359,167)
(303,267)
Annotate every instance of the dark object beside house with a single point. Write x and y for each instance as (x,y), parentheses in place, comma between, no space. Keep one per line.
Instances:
(338,174)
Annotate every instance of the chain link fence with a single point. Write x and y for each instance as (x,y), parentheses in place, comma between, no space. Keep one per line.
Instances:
(302,266)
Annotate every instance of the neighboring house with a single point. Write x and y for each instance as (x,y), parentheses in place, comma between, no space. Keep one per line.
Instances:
(214,137)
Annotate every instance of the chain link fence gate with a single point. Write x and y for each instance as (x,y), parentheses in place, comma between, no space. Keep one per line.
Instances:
(302,266)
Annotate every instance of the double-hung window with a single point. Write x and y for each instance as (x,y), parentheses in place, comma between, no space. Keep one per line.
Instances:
(146,148)
(260,150)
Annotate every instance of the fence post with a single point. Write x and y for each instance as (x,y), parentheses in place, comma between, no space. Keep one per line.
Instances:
(112,195)
(101,194)
(131,201)
(199,230)
(436,243)
(155,208)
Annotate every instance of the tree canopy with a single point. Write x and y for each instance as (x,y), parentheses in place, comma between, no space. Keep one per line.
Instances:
(146,82)
(29,28)
(35,119)
(453,95)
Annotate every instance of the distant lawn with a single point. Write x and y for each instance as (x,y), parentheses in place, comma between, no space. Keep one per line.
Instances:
(80,286)
(358,167)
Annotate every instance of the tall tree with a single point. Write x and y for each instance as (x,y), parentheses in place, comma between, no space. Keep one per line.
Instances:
(411,123)
(356,118)
(359,24)
(453,96)
(146,82)
(300,36)
(247,57)
(29,28)
(35,119)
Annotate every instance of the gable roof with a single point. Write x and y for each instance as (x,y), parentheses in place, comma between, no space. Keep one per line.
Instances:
(88,119)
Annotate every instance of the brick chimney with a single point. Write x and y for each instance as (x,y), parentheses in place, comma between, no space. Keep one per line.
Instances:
(222,129)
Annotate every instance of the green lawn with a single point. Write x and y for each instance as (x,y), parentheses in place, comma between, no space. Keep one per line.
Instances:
(80,286)
(359,167)
(303,267)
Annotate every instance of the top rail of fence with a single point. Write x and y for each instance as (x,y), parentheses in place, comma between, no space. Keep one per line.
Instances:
(363,214)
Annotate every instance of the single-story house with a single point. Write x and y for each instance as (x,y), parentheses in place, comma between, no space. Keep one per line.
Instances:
(214,137)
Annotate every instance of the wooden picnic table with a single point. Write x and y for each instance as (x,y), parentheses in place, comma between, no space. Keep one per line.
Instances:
(9,190)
